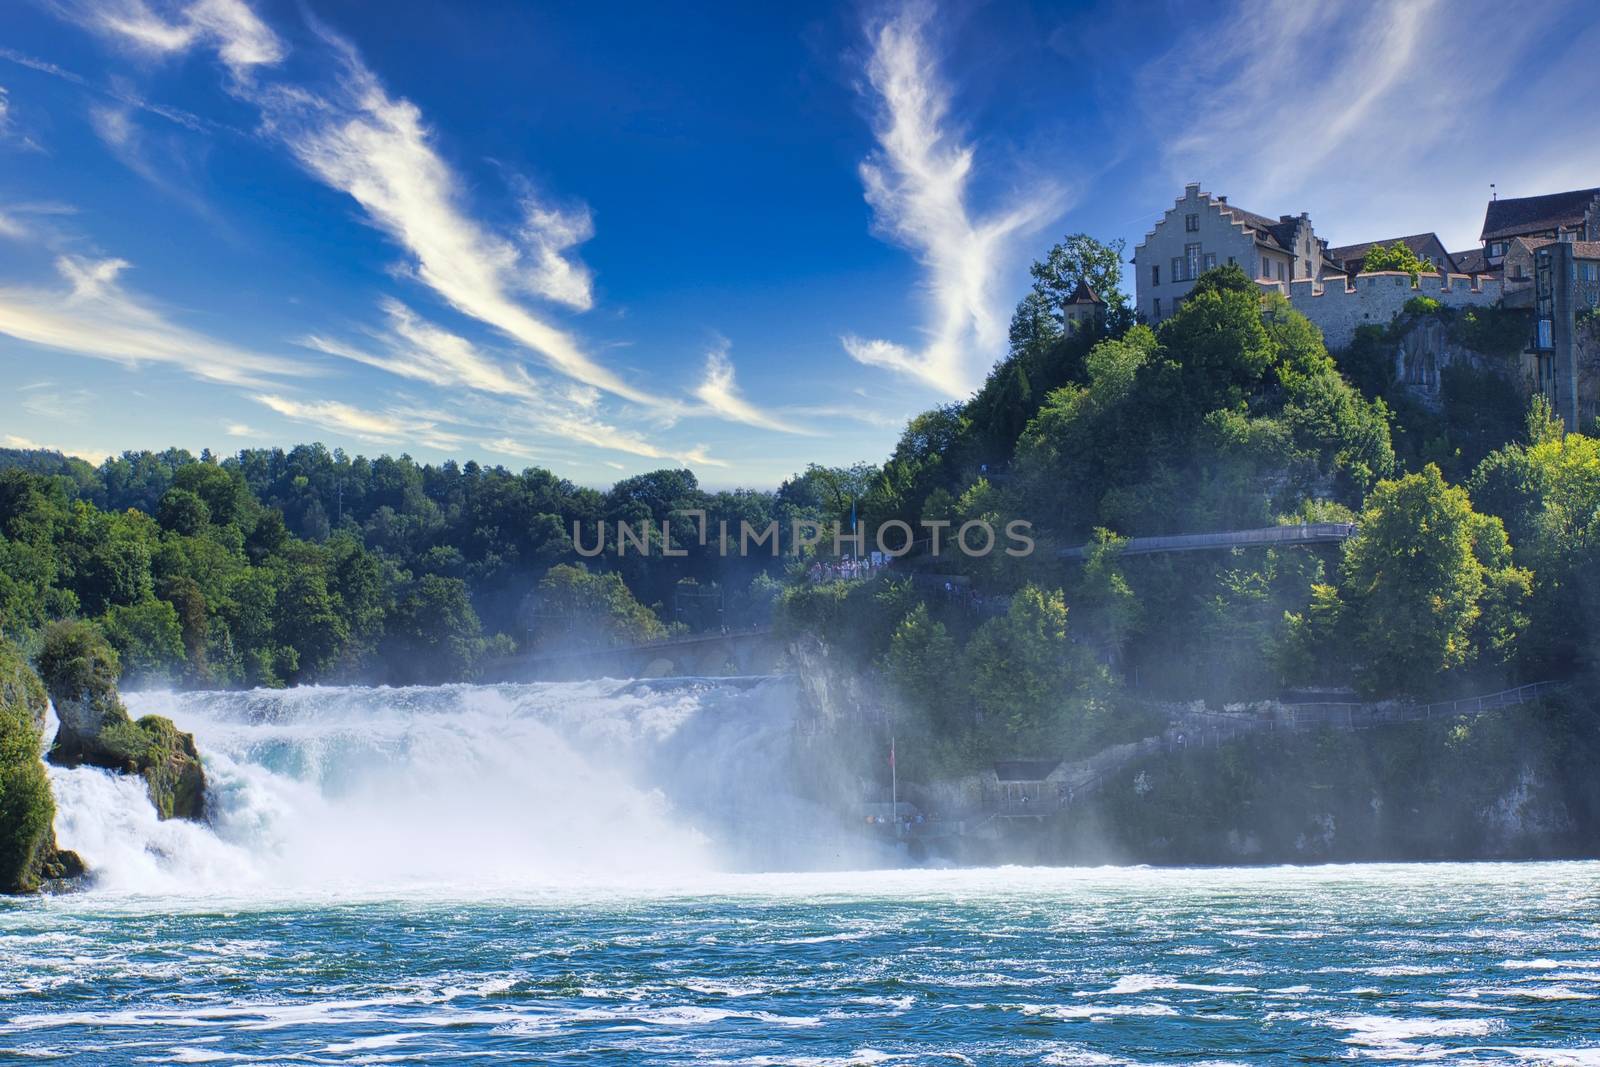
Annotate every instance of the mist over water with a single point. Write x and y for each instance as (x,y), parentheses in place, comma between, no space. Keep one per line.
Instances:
(368,790)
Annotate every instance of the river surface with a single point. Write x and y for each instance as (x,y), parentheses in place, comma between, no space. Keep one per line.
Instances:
(584,874)
(1479,963)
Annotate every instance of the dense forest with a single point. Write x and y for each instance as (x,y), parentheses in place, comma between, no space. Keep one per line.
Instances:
(1471,568)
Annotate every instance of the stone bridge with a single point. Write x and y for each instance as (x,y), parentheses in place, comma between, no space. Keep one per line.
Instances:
(739,652)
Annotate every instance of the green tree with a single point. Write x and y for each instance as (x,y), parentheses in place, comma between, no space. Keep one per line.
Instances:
(575,607)
(26,807)
(1397,256)
(1079,257)
(148,638)
(223,490)
(183,512)
(1428,583)
(922,664)
(433,633)
(1035,689)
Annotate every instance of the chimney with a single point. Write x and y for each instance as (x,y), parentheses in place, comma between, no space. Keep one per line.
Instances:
(1222,200)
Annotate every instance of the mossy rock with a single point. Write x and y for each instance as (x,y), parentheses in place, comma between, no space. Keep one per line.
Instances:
(80,672)
(28,853)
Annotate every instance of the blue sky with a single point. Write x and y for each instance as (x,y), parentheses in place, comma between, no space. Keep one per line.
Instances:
(605,240)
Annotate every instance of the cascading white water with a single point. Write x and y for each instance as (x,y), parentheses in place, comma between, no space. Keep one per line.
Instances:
(485,786)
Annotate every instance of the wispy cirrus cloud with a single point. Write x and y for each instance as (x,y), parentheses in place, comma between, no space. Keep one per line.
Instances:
(162,164)
(718,392)
(508,396)
(918,182)
(412,347)
(95,316)
(10,134)
(348,131)
(378,150)
(240,38)
(610,439)
(388,427)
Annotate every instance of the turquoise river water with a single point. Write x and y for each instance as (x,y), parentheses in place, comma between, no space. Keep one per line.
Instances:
(339,910)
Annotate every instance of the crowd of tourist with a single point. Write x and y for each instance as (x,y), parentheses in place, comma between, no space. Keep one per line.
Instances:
(847,569)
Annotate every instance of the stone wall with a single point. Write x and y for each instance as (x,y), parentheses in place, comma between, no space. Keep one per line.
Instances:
(1375,299)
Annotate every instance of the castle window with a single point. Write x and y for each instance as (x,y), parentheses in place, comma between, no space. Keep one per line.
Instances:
(1155,309)
(1191,223)
(1177,269)
(1211,260)
(1191,255)
(1155,274)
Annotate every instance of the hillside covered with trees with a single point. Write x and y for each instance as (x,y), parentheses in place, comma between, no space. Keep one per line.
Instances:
(1471,567)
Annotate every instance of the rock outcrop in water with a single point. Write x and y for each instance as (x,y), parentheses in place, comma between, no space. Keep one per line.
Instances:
(80,672)
(29,857)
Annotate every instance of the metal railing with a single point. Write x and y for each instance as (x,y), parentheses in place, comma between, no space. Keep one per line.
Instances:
(1306,533)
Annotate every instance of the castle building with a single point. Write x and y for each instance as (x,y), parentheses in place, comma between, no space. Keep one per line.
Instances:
(1569,216)
(1201,231)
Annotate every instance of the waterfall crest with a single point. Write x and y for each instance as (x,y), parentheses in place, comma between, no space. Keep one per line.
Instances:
(474,786)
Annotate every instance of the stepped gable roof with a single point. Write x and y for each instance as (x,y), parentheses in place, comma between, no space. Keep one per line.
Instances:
(1024,770)
(1085,294)
(1471,261)
(1505,218)
(1417,242)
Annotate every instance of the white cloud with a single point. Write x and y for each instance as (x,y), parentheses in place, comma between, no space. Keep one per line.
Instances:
(918,183)
(241,39)
(88,455)
(609,438)
(241,429)
(508,396)
(548,233)
(95,317)
(719,393)
(393,426)
(415,348)
(357,138)
(9,131)
(378,150)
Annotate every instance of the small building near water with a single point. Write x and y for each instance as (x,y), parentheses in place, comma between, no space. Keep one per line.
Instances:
(1029,786)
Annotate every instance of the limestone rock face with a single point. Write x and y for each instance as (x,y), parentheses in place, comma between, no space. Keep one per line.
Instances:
(29,857)
(80,672)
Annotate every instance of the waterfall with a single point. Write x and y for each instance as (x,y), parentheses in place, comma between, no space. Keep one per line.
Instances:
(334,789)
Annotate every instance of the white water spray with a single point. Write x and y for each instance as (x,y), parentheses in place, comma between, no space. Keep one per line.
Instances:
(481,787)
